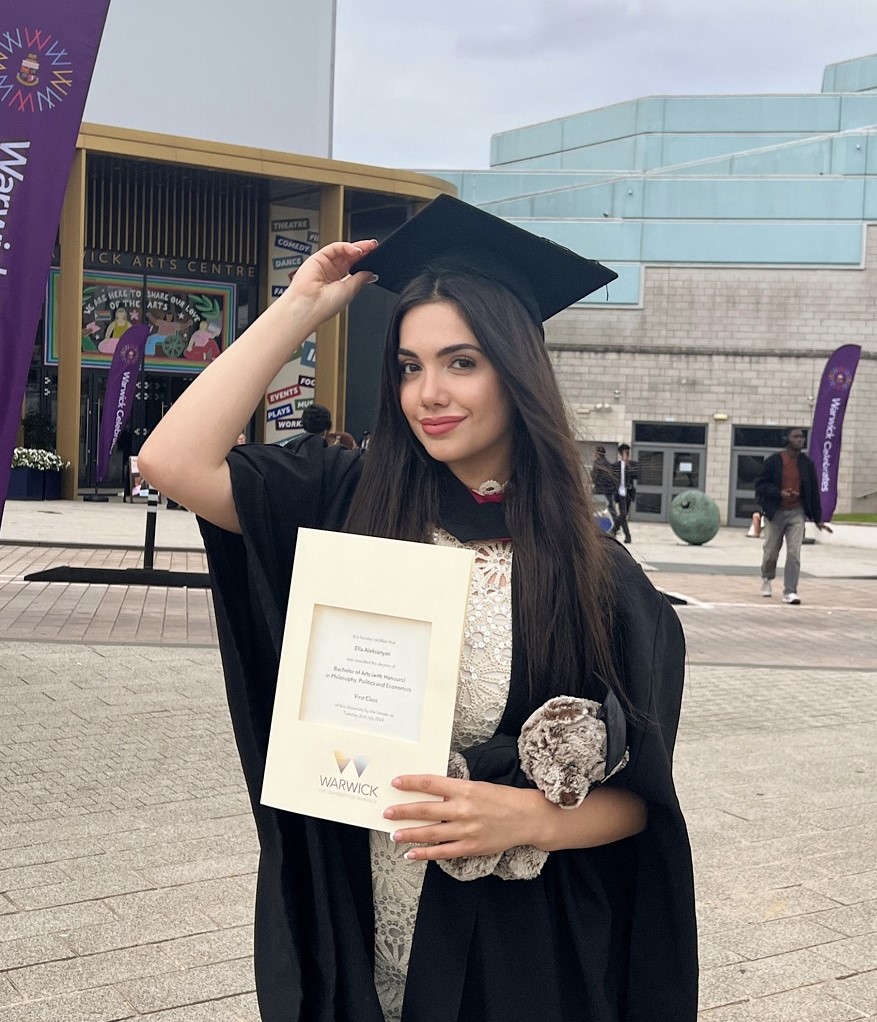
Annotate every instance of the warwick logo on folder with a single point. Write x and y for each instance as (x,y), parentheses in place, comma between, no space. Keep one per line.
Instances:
(359,762)
(361,789)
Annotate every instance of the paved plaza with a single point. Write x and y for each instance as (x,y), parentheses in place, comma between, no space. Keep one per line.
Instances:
(127,851)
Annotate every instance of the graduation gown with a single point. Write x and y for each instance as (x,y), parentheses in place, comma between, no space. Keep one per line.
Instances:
(602,935)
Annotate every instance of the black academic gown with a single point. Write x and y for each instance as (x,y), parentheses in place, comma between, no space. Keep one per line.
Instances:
(602,935)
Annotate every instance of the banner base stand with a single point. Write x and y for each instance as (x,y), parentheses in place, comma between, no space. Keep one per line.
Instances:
(123,577)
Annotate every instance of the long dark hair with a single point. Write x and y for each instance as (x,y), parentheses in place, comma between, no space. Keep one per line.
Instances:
(562,577)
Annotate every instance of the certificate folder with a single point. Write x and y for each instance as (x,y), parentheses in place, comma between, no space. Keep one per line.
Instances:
(368,674)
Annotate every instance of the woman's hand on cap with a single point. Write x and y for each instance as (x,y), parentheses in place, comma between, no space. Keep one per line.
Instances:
(324,280)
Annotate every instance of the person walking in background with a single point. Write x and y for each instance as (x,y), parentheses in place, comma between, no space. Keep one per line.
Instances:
(602,479)
(788,491)
(624,474)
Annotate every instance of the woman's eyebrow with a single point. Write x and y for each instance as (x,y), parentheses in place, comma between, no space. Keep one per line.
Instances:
(449,350)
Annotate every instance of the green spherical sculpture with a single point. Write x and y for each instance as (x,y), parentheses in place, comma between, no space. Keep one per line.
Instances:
(694,517)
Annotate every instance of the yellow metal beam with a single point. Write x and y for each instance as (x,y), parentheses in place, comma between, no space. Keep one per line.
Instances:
(331,376)
(144,145)
(70,322)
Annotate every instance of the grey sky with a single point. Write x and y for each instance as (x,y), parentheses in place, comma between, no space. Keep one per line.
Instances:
(418,87)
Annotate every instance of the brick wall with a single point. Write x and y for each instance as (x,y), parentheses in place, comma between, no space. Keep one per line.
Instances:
(751,343)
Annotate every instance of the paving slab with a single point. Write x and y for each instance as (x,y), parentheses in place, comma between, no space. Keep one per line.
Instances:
(128,854)
(113,524)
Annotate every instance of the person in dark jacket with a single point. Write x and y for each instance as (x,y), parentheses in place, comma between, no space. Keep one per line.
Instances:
(624,475)
(316,421)
(788,491)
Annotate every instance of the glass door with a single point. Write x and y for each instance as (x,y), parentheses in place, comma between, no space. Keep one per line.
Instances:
(686,472)
(86,412)
(745,469)
(154,395)
(91,402)
(91,397)
(663,474)
(650,488)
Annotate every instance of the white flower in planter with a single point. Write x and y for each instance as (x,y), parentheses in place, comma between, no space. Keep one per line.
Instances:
(30,457)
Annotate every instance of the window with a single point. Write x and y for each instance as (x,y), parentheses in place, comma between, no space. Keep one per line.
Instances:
(668,433)
(763,436)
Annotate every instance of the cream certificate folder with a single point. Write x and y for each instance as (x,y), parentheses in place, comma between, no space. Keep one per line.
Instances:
(368,674)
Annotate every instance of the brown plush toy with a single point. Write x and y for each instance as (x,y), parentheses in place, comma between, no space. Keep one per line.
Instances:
(563,752)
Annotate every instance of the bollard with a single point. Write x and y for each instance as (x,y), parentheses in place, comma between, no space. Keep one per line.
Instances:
(151,511)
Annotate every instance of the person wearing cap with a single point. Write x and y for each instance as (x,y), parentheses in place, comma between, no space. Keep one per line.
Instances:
(497,904)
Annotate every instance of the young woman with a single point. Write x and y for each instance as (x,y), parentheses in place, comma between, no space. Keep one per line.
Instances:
(471,448)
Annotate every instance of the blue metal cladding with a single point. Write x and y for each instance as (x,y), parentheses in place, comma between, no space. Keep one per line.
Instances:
(709,180)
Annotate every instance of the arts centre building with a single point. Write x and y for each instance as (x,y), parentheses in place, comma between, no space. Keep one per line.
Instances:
(192,217)
(744,233)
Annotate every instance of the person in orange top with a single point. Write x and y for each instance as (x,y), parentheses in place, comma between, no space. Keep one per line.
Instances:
(788,491)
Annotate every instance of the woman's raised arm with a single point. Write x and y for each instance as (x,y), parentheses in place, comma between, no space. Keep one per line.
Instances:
(184,456)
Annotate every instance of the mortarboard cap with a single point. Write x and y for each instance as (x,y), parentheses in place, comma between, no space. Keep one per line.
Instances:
(446,233)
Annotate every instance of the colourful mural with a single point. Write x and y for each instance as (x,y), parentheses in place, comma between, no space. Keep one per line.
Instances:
(190,321)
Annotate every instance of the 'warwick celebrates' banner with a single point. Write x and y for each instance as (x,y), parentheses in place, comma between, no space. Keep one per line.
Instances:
(47,55)
(119,398)
(828,420)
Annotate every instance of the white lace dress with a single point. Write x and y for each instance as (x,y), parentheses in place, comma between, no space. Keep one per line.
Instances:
(485,670)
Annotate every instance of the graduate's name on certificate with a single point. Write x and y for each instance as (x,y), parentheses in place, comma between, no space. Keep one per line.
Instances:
(366,672)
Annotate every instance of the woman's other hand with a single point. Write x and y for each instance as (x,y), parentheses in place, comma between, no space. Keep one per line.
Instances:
(473,818)
(480,818)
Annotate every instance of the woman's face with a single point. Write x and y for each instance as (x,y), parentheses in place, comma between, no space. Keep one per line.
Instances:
(454,400)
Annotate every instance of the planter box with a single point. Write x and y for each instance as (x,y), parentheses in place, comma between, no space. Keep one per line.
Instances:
(26,484)
(51,485)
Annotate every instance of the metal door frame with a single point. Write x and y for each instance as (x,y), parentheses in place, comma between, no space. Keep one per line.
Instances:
(667,490)
(734,492)
(90,407)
